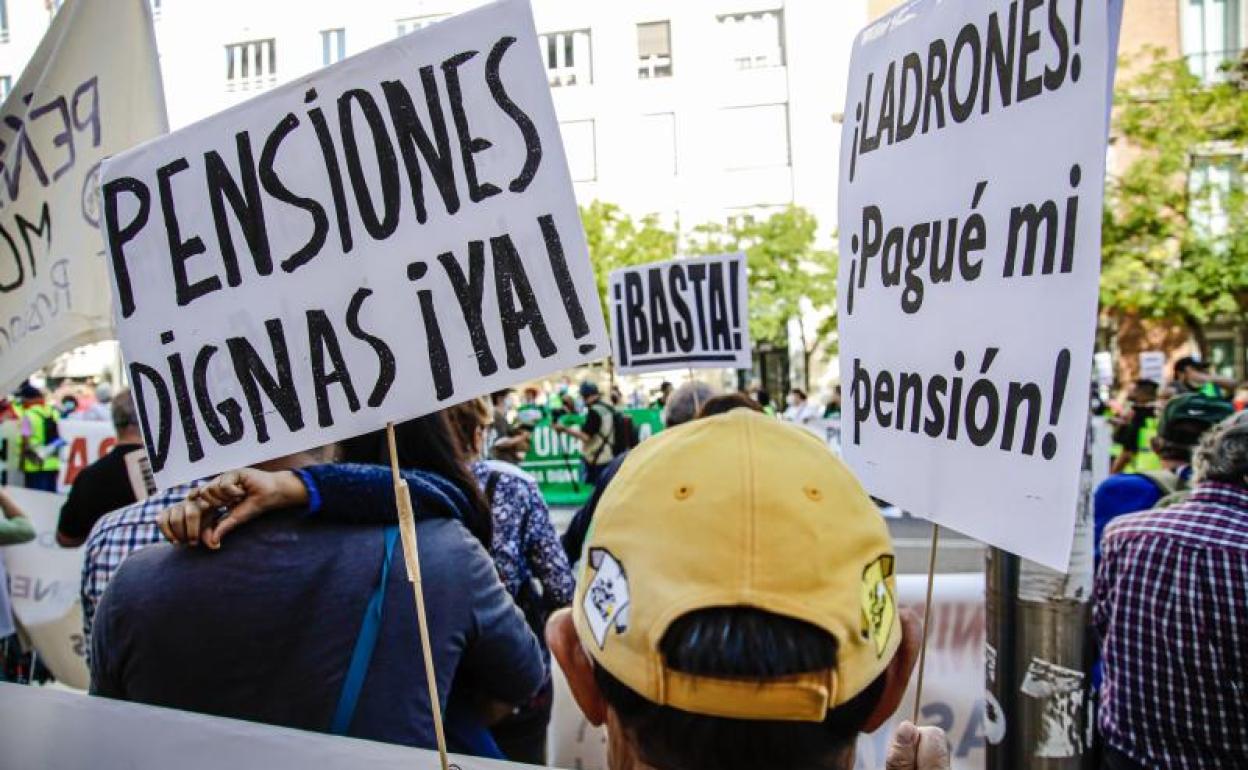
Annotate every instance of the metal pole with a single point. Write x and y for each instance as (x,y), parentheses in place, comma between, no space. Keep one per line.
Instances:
(1039,655)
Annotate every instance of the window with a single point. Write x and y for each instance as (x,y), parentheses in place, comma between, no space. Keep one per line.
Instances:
(748,216)
(656,143)
(333,46)
(1210,185)
(753,40)
(6,85)
(567,57)
(4,21)
(654,50)
(578,145)
(1210,36)
(413,23)
(250,66)
(755,137)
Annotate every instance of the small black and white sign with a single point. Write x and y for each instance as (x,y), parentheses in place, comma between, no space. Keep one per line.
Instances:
(681,313)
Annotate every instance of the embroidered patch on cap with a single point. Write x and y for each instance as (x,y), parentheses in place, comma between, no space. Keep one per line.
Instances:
(606,599)
(879,607)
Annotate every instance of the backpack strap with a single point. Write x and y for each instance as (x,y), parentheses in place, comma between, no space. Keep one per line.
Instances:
(608,437)
(1168,482)
(365,643)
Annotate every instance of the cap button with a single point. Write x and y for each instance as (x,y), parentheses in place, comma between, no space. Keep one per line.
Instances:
(683,492)
(813,493)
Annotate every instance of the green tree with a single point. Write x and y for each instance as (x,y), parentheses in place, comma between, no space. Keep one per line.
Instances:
(1175,241)
(617,240)
(788,276)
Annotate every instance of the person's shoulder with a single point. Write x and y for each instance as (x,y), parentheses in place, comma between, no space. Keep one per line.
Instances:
(145,572)
(1200,521)
(1125,482)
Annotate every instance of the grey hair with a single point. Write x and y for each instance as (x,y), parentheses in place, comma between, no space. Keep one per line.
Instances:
(684,402)
(1223,452)
(124,413)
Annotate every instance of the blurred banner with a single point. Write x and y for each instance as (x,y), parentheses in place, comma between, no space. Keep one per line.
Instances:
(92,89)
(43,581)
(554,459)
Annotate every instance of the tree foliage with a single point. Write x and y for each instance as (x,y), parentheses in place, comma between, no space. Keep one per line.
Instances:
(788,275)
(617,240)
(1175,243)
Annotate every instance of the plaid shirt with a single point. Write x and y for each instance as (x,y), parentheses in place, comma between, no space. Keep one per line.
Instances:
(114,537)
(1172,613)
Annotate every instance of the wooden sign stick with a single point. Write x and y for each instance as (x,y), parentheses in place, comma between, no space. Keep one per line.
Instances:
(407,530)
(927,616)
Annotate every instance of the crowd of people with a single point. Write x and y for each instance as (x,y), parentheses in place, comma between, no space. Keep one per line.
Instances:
(699,636)
(1170,599)
(293,608)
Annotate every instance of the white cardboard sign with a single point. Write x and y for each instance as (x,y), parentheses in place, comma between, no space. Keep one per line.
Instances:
(381,239)
(681,314)
(92,88)
(971,183)
(1153,366)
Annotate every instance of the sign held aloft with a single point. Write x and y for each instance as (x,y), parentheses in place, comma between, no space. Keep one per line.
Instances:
(972,161)
(681,313)
(386,237)
(91,89)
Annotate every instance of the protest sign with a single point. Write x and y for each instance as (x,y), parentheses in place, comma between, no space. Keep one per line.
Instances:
(381,239)
(43,582)
(1153,366)
(51,730)
(972,162)
(680,314)
(1103,363)
(91,89)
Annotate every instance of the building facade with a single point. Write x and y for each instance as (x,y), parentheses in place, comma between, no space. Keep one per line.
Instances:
(697,111)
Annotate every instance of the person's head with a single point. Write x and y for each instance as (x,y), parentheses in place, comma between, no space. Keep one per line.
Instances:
(723,622)
(28,393)
(1187,366)
(499,398)
(763,398)
(1144,392)
(589,391)
(1183,421)
(125,417)
(665,388)
(1223,452)
(427,444)
(797,397)
(103,393)
(683,404)
(471,420)
(69,403)
(726,402)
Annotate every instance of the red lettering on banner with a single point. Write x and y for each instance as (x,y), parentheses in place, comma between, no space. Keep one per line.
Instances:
(76,460)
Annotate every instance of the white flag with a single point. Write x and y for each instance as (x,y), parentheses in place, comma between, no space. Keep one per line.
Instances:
(92,89)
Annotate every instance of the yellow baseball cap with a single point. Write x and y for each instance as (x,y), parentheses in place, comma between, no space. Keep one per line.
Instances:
(737,510)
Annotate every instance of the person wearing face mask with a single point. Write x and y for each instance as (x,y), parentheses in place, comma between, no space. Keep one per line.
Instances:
(800,410)
(504,442)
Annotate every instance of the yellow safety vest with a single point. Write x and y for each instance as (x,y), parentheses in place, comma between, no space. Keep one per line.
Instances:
(39,416)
